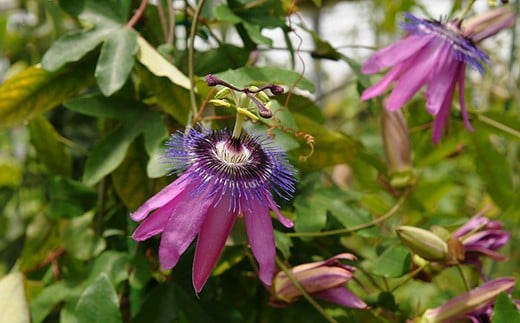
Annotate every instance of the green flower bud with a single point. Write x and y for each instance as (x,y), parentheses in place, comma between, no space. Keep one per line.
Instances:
(423,242)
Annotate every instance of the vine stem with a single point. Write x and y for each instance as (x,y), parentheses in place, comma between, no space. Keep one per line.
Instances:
(464,280)
(137,15)
(467,9)
(498,125)
(372,223)
(191,66)
(304,293)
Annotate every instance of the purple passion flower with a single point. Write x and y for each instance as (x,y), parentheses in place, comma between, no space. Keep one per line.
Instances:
(322,279)
(481,236)
(473,306)
(223,178)
(435,55)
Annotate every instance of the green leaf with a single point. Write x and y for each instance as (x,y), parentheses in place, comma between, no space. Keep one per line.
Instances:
(173,99)
(351,216)
(112,263)
(33,91)
(69,198)
(49,297)
(72,47)
(246,76)
(310,212)
(283,243)
(220,59)
(13,303)
(100,19)
(394,262)
(159,306)
(330,147)
(116,60)
(42,238)
(505,311)
(130,179)
(80,240)
(99,303)
(494,170)
(108,153)
(140,273)
(231,256)
(158,65)
(46,140)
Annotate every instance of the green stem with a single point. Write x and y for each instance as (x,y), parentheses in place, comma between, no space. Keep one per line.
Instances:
(410,276)
(464,280)
(372,223)
(467,9)
(304,293)
(191,68)
(237,130)
(498,125)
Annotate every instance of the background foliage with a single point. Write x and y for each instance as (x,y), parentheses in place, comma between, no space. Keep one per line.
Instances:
(92,88)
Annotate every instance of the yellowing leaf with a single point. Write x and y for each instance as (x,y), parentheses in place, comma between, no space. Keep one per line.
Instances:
(13,304)
(158,65)
(34,90)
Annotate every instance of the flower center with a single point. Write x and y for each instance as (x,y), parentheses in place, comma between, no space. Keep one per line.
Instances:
(231,155)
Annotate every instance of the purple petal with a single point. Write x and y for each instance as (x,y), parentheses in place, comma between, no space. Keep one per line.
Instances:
(463,109)
(212,237)
(395,53)
(442,83)
(155,223)
(283,220)
(182,227)
(442,116)
(414,76)
(384,82)
(477,221)
(261,237)
(342,296)
(162,198)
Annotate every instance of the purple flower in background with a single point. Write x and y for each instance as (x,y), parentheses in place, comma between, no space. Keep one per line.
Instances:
(434,54)
(224,177)
(321,279)
(481,236)
(475,305)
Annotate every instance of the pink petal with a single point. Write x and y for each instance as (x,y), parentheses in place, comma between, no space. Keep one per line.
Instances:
(441,84)
(395,53)
(414,76)
(442,117)
(160,199)
(283,220)
(182,227)
(463,109)
(212,237)
(155,223)
(384,82)
(261,237)
(342,296)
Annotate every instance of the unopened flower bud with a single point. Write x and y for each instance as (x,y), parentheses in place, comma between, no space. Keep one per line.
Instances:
(212,80)
(262,97)
(276,89)
(220,103)
(488,23)
(473,302)
(396,144)
(423,242)
(222,93)
(247,113)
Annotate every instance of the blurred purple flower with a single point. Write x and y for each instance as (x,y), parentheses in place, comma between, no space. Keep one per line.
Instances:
(322,279)
(225,178)
(475,305)
(435,55)
(481,236)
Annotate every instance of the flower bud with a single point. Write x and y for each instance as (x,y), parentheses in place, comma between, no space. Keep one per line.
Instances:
(473,302)
(322,279)
(220,103)
(423,242)
(397,148)
(488,23)
(222,93)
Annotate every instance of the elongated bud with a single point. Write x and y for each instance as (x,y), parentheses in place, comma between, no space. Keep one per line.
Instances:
(247,113)
(396,144)
(220,103)
(222,93)
(474,301)
(488,23)
(423,242)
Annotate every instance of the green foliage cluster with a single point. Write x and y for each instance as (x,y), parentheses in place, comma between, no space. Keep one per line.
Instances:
(94,88)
